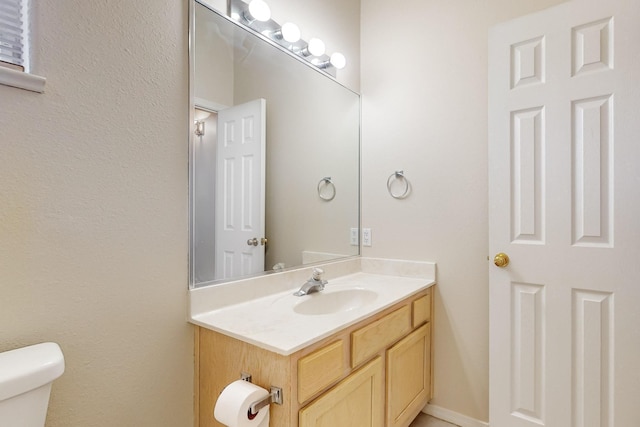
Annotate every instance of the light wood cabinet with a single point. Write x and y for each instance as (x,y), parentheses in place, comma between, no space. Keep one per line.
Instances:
(369,340)
(358,401)
(421,310)
(408,377)
(372,374)
(320,369)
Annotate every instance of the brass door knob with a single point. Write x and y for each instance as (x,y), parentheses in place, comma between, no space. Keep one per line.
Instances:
(263,241)
(252,242)
(501,260)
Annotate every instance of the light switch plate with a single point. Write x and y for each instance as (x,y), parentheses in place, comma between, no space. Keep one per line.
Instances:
(366,237)
(354,236)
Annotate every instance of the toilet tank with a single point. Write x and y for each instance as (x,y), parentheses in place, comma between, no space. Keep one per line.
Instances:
(26,375)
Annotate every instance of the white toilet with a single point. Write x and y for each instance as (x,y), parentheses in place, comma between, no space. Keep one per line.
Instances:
(26,375)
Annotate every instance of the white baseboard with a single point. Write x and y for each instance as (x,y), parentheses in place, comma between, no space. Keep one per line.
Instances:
(453,417)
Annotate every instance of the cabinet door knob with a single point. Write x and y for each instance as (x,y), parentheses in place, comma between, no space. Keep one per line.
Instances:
(501,260)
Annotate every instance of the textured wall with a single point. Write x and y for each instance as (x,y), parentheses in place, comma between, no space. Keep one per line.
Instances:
(424,86)
(93,211)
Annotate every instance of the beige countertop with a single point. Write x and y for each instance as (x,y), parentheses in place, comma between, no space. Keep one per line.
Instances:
(270,320)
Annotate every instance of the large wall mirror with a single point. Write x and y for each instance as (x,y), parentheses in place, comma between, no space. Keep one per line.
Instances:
(275,156)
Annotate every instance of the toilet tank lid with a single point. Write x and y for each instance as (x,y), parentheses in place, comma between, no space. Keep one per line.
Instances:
(28,368)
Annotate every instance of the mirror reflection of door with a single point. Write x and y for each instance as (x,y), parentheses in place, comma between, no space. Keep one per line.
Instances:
(240,190)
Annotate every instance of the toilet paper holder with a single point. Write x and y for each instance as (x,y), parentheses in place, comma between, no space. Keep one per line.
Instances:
(275,396)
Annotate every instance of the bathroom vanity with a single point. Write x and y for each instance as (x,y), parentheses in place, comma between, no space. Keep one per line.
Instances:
(366,359)
(357,353)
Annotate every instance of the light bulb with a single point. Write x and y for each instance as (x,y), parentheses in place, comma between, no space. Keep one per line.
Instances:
(316,47)
(259,10)
(338,60)
(290,32)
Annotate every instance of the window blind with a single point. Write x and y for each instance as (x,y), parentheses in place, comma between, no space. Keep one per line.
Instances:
(12,33)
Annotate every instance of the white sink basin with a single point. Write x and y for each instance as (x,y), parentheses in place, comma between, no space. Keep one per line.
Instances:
(338,301)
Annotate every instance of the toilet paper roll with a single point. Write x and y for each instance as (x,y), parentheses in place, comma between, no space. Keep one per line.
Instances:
(232,406)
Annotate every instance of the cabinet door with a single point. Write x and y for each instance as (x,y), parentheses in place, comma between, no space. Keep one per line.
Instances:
(408,377)
(357,401)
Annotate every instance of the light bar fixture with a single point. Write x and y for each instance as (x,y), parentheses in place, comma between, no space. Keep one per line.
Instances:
(256,15)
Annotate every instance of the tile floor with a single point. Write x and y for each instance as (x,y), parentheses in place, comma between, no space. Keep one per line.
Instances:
(425,420)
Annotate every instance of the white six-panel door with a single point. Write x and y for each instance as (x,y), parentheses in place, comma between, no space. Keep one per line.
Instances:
(240,190)
(564,180)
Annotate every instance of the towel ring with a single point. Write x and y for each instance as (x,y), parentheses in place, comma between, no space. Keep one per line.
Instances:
(324,184)
(398,175)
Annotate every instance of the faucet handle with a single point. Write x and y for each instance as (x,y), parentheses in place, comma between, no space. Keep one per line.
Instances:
(317,274)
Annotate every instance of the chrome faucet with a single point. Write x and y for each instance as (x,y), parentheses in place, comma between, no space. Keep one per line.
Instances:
(315,284)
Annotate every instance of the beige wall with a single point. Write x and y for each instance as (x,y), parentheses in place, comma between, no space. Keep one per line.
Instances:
(424,86)
(93,211)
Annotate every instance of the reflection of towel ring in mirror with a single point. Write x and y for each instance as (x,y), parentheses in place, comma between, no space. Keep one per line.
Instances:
(398,175)
(324,184)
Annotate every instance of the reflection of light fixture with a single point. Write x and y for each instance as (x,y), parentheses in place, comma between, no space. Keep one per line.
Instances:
(315,47)
(199,128)
(200,116)
(289,32)
(258,11)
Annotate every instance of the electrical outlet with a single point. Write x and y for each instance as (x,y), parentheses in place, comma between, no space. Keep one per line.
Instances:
(366,237)
(354,236)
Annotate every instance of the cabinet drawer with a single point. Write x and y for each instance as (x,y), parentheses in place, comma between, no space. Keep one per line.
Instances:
(422,310)
(380,334)
(320,369)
